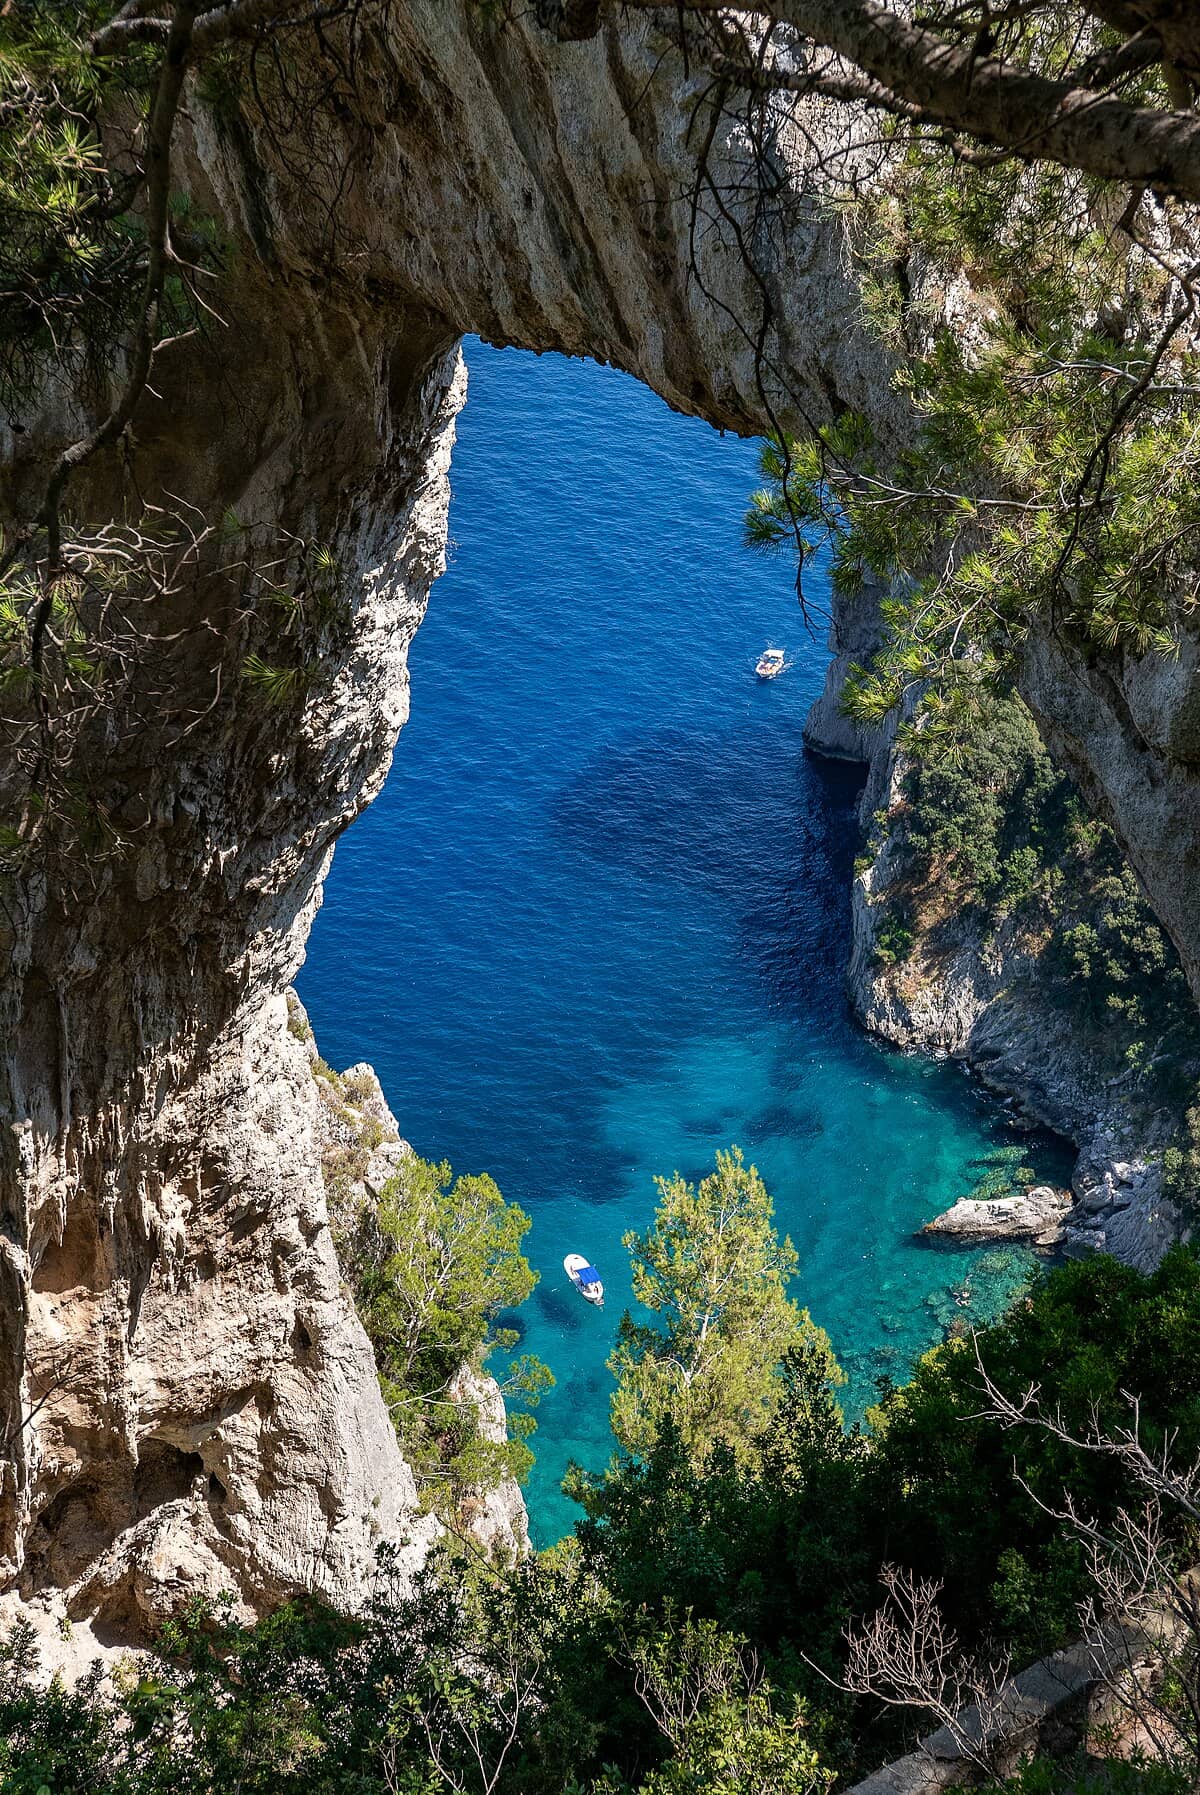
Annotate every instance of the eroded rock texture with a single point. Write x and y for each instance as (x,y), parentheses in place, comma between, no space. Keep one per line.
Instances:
(189,1399)
(187,1394)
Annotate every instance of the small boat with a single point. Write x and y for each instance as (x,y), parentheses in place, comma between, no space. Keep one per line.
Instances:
(770,663)
(585,1278)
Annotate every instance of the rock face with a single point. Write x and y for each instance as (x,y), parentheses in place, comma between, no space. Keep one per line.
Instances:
(189,1399)
(1120,1206)
(1128,731)
(185,1394)
(496,1518)
(854,635)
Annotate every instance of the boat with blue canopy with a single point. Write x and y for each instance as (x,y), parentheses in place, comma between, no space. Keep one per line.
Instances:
(585,1278)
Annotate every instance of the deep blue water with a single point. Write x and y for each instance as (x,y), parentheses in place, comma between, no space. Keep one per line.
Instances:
(595,927)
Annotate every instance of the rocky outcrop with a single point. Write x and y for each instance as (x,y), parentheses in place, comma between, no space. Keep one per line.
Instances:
(185,1393)
(1120,1205)
(215,1420)
(1036,1214)
(361,1150)
(493,1515)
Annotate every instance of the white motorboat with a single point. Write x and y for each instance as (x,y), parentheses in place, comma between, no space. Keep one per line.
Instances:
(771,663)
(585,1277)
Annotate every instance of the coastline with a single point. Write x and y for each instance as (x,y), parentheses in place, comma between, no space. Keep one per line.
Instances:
(981,998)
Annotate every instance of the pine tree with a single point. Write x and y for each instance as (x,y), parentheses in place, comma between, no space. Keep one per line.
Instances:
(714,1274)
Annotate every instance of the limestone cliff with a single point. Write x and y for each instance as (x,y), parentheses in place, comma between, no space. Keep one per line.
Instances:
(185,1393)
(190,1401)
(361,1150)
(984,992)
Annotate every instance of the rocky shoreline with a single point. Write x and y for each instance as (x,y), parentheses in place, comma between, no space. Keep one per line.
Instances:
(981,999)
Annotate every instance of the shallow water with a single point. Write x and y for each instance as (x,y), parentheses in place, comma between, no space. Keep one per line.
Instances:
(596,924)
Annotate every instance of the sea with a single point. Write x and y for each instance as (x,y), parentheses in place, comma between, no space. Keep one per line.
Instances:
(596,925)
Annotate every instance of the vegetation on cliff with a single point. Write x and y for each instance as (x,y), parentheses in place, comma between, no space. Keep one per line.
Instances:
(990,830)
(704,1628)
(1046,348)
(1042,331)
(433,1263)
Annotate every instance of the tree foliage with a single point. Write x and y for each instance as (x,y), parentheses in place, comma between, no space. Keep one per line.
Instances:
(72,244)
(433,1264)
(713,1274)
(1047,352)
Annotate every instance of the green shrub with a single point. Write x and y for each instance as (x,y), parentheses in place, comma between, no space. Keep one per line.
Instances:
(894,937)
(431,1266)
(987,809)
(1181,1165)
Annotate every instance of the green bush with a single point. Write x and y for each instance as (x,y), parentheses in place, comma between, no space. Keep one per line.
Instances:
(987,809)
(1181,1164)
(894,937)
(431,1266)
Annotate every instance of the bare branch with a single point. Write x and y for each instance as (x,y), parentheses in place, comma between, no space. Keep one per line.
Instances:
(907,1657)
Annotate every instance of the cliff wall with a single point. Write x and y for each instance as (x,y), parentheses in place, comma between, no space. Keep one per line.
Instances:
(189,1398)
(956,982)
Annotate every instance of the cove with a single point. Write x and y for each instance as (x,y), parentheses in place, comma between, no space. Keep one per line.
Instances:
(596,924)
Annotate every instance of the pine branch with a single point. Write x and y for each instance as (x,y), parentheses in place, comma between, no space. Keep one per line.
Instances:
(914,70)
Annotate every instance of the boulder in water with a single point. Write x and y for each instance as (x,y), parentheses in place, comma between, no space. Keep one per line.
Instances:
(1037,1214)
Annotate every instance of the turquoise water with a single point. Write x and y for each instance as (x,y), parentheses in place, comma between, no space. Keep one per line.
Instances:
(596,924)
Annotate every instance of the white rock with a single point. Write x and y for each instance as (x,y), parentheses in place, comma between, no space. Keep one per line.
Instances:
(1037,1214)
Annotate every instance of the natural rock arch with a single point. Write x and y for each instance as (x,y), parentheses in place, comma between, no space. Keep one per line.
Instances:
(163,1237)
